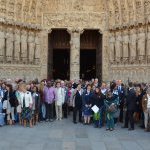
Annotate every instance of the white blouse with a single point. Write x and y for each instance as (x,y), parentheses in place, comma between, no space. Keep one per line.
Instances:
(28,98)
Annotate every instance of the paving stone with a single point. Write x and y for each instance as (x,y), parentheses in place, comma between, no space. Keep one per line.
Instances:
(64,135)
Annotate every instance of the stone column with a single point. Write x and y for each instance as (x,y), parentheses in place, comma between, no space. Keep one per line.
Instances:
(37,50)
(141,43)
(112,48)
(105,58)
(75,53)
(17,45)
(148,44)
(2,43)
(132,43)
(44,54)
(24,46)
(125,45)
(118,46)
(31,46)
(9,44)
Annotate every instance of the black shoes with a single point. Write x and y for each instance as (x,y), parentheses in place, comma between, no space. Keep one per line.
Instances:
(131,129)
(124,127)
(74,122)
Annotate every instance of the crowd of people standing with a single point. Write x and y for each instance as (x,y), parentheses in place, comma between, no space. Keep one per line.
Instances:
(100,104)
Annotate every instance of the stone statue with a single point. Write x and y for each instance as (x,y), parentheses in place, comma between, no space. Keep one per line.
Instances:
(9,44)
(132,44)
(17,41)
(141,43)
(2,43)
(112,48)
(24,46)
(118,46)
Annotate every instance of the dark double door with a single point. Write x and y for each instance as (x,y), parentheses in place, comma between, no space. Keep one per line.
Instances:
(61,64)
(90,54)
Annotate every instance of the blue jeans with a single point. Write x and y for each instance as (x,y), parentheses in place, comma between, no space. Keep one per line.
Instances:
(101,111)
(109,120)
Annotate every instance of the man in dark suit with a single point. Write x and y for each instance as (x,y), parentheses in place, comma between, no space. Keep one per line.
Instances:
(131,105)
(121,93)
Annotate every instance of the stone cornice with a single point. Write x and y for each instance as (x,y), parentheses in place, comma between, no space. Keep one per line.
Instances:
(30,26)
(128,26)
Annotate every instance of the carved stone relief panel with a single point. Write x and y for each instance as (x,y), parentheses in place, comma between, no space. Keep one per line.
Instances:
(11,9)
(117,13)
(139,11)
(131,9)
(124,12)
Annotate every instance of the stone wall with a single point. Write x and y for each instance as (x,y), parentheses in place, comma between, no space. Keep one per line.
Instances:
(129,43)
(20,50)
(124,24)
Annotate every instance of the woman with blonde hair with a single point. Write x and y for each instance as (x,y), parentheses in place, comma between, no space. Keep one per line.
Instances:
(26,104)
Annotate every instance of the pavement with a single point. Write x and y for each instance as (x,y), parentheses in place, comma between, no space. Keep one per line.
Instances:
(64,135)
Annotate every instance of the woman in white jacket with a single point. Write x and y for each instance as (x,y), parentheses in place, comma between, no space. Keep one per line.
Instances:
(59,100)
(26,104)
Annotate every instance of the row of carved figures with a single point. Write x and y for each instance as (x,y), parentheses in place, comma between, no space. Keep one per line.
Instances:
(130,45)
(19,45)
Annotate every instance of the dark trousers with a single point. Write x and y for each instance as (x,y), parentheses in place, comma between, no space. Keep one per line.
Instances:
(75,110)
(121,112)
(129,118)
(49,111)
(65,110)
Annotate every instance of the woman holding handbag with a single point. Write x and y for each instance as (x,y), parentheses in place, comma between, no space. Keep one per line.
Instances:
(10,99)
(26,104)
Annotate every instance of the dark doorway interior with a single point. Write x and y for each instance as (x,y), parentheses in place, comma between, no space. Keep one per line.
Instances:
(91,54)
(87,64)
(61,63)
(59,54)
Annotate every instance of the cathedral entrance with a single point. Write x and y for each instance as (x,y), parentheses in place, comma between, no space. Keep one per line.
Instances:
(91,55)
(74,55)
(59,54)
(61,61)
(87,64)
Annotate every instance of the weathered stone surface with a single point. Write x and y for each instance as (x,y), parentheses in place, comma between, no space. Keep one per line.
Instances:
(124,24)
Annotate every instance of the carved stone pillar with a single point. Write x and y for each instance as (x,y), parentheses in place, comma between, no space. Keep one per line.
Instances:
(31,46)
(2,43)
(118,45)
(141,43)
(75,53)
(24,46)
(37,50)
(17,41)
(105,58)
(148,44)
(44,54)
(9,44)
(125,39)
(132,44)
(112,47)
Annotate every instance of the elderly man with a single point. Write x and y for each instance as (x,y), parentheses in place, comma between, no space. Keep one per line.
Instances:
(49,98)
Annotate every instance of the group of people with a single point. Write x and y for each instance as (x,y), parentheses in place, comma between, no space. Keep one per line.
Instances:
(95,103)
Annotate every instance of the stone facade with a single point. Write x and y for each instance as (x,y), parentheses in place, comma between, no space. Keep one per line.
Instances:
(124,24)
